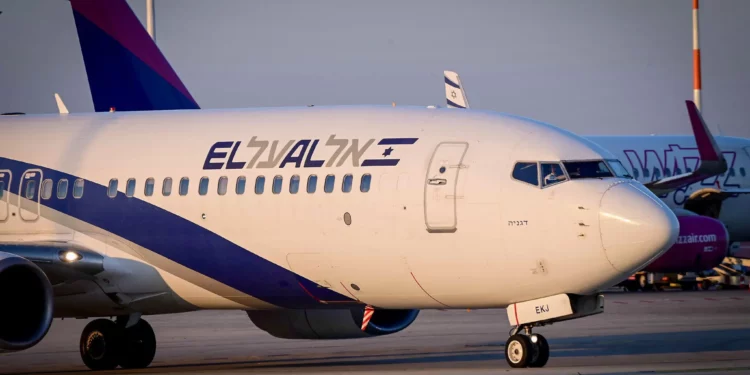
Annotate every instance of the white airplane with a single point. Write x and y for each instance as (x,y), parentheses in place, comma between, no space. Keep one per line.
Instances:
(712,179)
(320,222)
(305,217)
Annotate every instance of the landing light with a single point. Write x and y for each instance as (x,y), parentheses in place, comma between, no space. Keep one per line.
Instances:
(70,256)
(534,338)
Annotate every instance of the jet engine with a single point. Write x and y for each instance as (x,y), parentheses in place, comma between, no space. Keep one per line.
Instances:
(26,303)
(701,245)
(330,324)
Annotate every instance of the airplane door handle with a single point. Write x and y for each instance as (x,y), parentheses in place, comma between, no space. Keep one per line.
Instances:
(437,181)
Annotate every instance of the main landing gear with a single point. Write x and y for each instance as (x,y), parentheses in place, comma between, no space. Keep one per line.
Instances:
(128,343)
(527,349)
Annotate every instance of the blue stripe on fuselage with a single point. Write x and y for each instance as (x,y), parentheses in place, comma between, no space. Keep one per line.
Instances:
(180,240)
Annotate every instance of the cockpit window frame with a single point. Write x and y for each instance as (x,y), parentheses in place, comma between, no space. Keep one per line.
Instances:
(538,172)
(541,178)
(606,164)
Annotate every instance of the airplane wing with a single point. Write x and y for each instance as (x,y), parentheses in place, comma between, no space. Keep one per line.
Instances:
(454,92)
(712,162)
(61,262)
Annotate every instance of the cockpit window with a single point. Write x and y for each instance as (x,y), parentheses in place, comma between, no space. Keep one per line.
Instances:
(587,169)
(526,172)
(552,173)
(619,170)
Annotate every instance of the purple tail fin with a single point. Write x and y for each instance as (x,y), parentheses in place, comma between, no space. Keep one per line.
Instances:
(125,68)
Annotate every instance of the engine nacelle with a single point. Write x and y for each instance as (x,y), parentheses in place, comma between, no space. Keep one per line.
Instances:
(330,324)
(702,244)
(26,303)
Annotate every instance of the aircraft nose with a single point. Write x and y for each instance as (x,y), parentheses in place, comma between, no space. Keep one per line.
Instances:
(635,226)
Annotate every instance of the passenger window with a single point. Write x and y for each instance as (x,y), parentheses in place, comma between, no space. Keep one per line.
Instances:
(552,174)
(223,183)
(46,189)
(2,189)
(677,171)
(526,172)
(149,189)
(184,186)
(112,189)
(294,184)
(635,173)
(276,187)
(330,181)
(260,184)
(667,172)
(657,174)
(240,188)
(78,188)
(130,188)
(742,171)
(166,189)
(364,184)
(203,186)
(62,189)
(346,185)
(31,189)
(645,173)
(731,172)
(312,183)
(688,169)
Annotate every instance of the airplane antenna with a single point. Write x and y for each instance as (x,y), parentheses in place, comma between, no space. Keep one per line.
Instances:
(150,18)
(696,60)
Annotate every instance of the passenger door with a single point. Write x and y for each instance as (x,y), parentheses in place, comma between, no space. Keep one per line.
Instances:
(5,179)
(28,194)
(440,186)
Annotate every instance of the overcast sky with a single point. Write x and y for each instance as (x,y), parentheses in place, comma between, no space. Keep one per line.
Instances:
(591,66)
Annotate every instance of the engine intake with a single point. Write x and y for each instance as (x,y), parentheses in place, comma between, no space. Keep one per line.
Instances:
(330,324)
(26,303)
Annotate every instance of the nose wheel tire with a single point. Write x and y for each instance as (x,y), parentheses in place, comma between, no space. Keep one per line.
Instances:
(525,351)
(518,351)
(101,344)
(541,352)
(139,346)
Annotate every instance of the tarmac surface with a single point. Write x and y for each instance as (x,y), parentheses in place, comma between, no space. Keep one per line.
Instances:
(655,333)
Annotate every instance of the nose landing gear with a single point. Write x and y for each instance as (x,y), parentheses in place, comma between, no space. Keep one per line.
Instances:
(526,350)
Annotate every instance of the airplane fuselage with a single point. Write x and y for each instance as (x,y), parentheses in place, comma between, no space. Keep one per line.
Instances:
(412,208)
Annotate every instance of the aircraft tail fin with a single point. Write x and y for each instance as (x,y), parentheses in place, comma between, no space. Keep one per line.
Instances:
(454,92)
(712,161)
(125,68)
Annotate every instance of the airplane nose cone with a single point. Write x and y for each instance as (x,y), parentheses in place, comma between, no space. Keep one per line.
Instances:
(635,226)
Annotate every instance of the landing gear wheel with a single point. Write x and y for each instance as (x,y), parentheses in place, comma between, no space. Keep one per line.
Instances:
(541,351)
(518,351)
(101,344)
(643,283)
(139,346)
(631,286)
